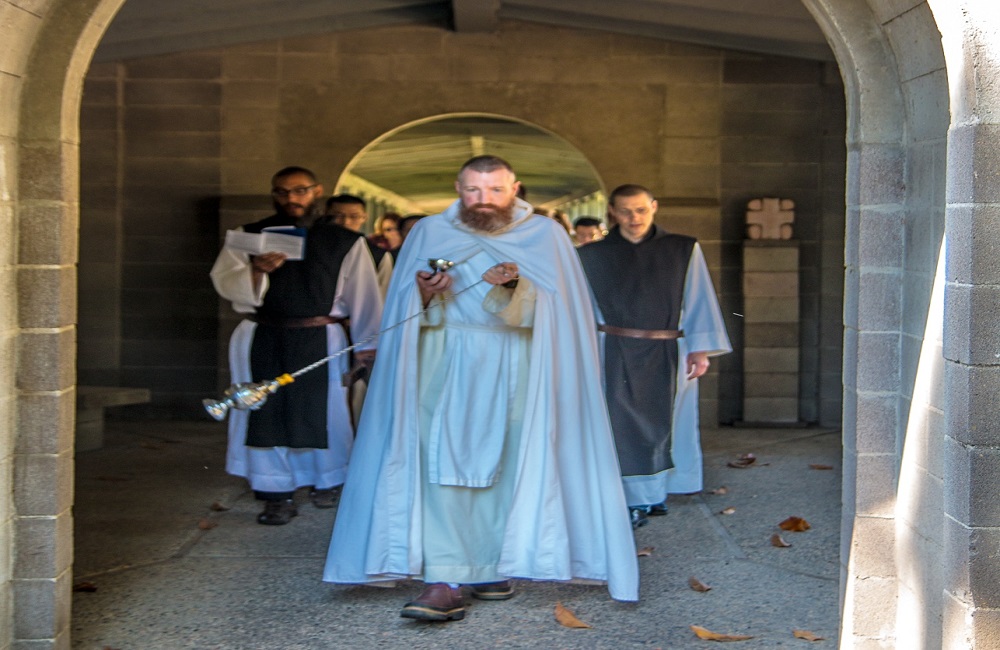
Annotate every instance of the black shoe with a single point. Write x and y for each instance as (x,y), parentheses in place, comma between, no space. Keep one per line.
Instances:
(658,509)
(638,517)
(277,513)
(502,590)
(324,498)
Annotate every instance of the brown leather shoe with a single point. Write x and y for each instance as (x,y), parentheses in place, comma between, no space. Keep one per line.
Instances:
(502,590)
(277,513)
(438,602)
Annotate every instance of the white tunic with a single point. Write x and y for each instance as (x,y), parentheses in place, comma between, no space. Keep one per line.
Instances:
(384,273)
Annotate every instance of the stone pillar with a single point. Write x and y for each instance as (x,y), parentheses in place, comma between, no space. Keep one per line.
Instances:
(971,441)
(770,332)
(55,55)
(971,448)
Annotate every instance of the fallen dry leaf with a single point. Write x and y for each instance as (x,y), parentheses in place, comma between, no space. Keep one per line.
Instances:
(88,587)
(645,551)
(807,635)
(776,540)
(207,524)
(698,585)
(795,524)
(744,461)
(218,507)
(728,511)
(567,618)
(708,635)
(720,490)
(819,466)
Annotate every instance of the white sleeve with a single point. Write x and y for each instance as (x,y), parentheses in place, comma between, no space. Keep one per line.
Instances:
(358,295)
(701,317)
(232,277)
(516,307)
(384,273)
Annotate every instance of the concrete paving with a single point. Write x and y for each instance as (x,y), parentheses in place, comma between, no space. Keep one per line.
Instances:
(166,571)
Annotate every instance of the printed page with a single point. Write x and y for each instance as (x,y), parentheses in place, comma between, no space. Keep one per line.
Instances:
(269,241)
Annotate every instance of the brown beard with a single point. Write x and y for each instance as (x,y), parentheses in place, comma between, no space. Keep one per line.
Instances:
(310,209)
(486,217)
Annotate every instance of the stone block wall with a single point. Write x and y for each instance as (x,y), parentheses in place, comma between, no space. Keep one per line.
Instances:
(100,266)
(149,223)
(171,188)
(11,72)
(782,135)
(215,125)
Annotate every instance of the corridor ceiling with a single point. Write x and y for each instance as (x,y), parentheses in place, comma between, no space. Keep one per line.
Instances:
(154,27)
(147,27)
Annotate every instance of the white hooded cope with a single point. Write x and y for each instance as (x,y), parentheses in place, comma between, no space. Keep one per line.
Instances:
(565,516)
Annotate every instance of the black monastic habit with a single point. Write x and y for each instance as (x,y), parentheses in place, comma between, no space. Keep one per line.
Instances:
(640,286)
(296,415)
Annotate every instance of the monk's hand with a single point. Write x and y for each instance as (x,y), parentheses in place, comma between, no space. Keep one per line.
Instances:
(267,262)
(697,364)
(431,284)
(502,273)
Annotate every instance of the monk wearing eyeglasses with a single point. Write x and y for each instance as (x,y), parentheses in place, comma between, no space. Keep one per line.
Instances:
(296,312)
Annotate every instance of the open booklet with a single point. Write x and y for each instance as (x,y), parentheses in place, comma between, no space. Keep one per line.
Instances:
(277,239)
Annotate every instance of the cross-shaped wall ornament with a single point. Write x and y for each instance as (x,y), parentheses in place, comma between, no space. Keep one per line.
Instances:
(770,218)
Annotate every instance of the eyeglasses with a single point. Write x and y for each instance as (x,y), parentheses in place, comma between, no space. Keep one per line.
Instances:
(282,193)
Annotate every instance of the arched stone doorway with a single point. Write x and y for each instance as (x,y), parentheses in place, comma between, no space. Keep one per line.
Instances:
(895,226)
(897,172)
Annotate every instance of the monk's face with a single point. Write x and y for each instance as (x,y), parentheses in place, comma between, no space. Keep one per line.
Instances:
(487,198)
(349,215)
(294,195)
(390,230)
(634,215)
(587,234)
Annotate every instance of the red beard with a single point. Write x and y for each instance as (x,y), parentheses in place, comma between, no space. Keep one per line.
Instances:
(486,216)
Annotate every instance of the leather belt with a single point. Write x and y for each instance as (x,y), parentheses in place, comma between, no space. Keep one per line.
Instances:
(311,321)
(640,334)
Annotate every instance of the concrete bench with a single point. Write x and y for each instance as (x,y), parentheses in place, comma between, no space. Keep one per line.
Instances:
(90,404)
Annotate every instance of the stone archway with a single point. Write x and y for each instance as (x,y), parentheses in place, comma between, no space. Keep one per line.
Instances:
(45,170)
(555,171)
(897,168)
(880,154)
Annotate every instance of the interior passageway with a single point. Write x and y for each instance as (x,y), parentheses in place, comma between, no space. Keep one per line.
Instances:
(901,64)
